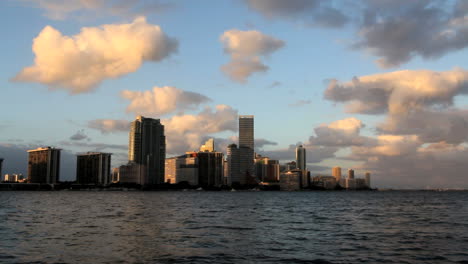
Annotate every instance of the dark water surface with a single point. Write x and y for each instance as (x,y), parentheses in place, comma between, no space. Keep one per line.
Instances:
(233,227)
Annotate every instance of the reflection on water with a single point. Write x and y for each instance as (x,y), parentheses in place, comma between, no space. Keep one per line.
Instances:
(226,227)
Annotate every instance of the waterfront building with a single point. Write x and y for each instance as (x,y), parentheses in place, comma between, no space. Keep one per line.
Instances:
(115,175)
(1,164)
(182,169)
(350,174)
(324,182)
(291,180)
(246,148)
(210,168)
(367,178)
(132,173)
(147,148)
(360,184)
(266,169)
(336,172)
(291,166)
(350,183)
(44,165)
(93,168)
(301,161)
(234,175)
(208,146)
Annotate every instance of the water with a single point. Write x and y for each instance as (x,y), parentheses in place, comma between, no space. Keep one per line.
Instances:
(233,227)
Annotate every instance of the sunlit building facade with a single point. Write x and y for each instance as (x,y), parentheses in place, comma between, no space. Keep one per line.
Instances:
(44,165)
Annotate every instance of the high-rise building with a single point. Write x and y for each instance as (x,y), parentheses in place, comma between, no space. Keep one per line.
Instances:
(210,168)
(182,169)
(301,161)
(350,174)
(44,165)
(132,173)
(336,172)
(234,175)
(208,146)
(93,168)
(246,132)
(1,163)
(367,179)
(266,169)
(147,147)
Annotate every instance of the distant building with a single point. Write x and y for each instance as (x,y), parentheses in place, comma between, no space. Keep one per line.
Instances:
(44,165)
(350,183)
(1,164)
(336,172)
(367,179)
(301,161)
(350,174)
(267,170)
(115,175)
(246,132)
(14,178)
(291,166)
(325,182)
(246,148)
(182,169)
(132,173)
(208,146)
(147,147)
(93,168)
(234,175)
(291,181)
(210,168)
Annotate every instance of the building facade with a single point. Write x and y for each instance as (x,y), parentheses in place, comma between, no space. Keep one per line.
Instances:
(147,147)
(301,161)
(93,168)
(44,165)
(182,169)
(1,164)
(350,174)
(132,173)
(233,171)
(208,146)
(336,172)
(367,179)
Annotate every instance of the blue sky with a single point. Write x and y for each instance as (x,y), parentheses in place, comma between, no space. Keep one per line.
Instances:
(312,54)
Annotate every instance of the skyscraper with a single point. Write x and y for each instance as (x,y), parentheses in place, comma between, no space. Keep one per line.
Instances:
(336,172)
(93,168)
(147,147)
(44,165)
(301,158)
(246,148)
(246,131)
(233,166)
(208,146)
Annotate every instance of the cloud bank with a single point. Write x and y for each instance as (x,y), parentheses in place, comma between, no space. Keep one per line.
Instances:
(79,63)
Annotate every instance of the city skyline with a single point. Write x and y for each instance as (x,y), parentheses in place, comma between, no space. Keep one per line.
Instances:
(329,76)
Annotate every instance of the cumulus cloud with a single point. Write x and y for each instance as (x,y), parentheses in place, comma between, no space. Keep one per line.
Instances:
(396,33)
(341,133)
(162,100)
(109,125)
(246,48)
(60,10)
(399,92)
(186,132)
(311,12)
(79,135)
(78,64)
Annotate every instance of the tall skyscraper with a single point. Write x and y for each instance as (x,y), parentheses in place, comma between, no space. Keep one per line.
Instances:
(336,172)
(147,147)
(233,166)
(93,168)
(208,146)
(301,158)
(246,131)
(246,148)
(44,165)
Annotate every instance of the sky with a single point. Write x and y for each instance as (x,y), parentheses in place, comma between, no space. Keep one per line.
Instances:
(372,85)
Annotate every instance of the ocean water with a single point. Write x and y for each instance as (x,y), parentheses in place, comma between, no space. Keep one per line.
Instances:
(233,227)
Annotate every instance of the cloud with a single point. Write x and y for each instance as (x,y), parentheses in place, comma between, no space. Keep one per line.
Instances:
(315,154)
(311,12)
(186,132)
(300,103)
(399,92)
(261,142)
(79,135)
(60,10)
(78,64)
(396,33)
(94,146)
(341,133)
(246,49)
(162,100)
(110,125)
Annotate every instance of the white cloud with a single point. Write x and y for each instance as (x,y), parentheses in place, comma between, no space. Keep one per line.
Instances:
(81,62)
(162,100)
(246,49)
